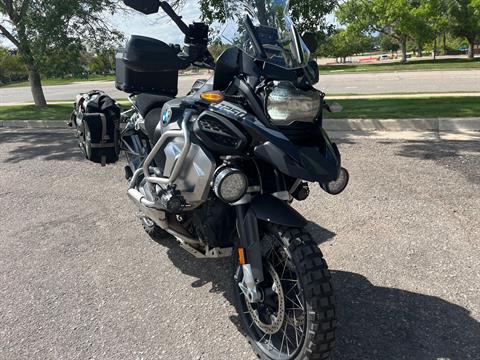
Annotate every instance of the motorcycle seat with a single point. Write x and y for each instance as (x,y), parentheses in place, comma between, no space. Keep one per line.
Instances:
(146,102)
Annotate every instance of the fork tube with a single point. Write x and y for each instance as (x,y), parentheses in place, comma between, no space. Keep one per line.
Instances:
(247,226)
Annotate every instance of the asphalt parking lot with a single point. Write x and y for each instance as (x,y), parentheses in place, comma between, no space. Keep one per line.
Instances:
(80,280)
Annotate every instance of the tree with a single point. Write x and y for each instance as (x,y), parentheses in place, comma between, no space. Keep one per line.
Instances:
(216,48)
(465,21)
(386,43)
(103,62)
(435,13)
(394,18)
(344,43)
(40,27)
(58,62)
(421,30)
(309,15)
(11,66)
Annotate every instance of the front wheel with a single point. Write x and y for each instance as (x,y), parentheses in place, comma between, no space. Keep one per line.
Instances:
(296,318)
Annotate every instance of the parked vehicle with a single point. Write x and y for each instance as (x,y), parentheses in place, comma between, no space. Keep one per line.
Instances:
(384,57)
(219,168)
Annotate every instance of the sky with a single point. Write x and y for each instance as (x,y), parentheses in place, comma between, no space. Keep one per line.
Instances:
(157,25)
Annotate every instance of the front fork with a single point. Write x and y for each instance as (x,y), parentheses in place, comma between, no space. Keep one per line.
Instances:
(250,272)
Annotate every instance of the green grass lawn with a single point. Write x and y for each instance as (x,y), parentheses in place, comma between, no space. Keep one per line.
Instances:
(31,112)
(352,108)
(440,64)
(64,81)
(59,112)
(408,108)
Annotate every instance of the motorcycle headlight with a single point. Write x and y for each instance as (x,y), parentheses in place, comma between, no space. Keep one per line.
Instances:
(286,104)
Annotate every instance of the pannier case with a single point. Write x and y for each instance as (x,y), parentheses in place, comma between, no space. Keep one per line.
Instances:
(97,120)
(148,65)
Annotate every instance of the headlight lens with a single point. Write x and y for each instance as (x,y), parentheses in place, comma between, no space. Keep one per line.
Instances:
(287,104)
(230,185)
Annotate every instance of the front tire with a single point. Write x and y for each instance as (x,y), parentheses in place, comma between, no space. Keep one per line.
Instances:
(307,329)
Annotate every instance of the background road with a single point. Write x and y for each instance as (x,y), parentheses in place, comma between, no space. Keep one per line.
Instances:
(79,279)
(358,83)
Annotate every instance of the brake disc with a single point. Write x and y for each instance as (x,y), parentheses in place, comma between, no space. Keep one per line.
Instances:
(276,320)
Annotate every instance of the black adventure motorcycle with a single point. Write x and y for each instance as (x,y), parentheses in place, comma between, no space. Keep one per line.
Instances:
(219,168)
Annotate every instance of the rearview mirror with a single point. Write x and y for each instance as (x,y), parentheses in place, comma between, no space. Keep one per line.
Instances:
(310,40)
(146,7)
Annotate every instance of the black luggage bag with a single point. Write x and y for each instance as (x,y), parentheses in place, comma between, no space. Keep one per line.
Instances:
(96,118)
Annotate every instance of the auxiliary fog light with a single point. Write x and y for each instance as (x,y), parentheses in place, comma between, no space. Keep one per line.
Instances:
(230,185)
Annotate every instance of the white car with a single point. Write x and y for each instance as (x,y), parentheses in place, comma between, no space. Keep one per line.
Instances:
(384,57)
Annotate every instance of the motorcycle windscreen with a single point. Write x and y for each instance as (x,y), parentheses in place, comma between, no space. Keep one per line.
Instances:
(265,31)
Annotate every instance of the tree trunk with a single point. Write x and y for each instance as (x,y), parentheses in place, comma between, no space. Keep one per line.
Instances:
(33,75)
(36,86)
(435,48)
(471,48)
(403,48)
(444,43)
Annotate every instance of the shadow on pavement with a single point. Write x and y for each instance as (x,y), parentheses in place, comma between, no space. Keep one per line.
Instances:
(461,156)
(319,233)
(43,145)
(386,323)
(374,322)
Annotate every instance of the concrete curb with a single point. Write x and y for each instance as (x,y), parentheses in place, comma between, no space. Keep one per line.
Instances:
(432,125)
(351,125)
(34,124)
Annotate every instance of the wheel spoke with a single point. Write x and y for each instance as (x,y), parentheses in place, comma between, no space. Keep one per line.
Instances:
(300,301)
(274,251)
(294,308)
(293,301)
(293,287)
(283,338)
(263,337)
(285,331)
(284,267)
(295,328)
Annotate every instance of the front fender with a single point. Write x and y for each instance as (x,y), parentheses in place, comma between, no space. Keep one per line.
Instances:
(270,209)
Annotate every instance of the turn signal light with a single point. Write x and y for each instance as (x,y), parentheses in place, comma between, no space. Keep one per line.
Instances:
(212,96)
(241,256)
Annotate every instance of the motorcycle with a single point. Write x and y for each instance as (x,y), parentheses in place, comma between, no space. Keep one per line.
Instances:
(219,168)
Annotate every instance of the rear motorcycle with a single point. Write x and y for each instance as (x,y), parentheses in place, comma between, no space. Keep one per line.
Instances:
(219,168)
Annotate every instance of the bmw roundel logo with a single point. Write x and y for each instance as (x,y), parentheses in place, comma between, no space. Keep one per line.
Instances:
(167,115)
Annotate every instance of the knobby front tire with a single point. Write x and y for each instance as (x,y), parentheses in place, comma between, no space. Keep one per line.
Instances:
(309,319)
